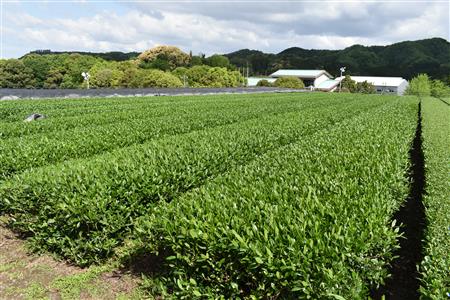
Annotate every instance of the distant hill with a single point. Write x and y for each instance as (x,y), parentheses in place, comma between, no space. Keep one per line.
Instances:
(111,56)
(405,59)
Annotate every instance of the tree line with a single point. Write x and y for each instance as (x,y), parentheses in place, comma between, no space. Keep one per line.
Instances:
(404,59)
(422,85)
(162,66)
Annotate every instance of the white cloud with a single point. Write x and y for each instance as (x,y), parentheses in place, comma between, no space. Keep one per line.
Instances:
(224,27)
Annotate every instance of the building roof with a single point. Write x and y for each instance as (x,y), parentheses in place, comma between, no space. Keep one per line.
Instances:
(378,81)
(252,81)
(328,84)
(300,73)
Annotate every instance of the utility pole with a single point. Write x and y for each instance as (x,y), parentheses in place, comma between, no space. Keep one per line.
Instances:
(1,29)
(342,69)
(247,71)
(86,77)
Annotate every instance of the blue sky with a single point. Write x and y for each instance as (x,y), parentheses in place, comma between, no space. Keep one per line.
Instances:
(218,26)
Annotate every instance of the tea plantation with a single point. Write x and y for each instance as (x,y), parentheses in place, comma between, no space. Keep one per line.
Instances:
(274,196)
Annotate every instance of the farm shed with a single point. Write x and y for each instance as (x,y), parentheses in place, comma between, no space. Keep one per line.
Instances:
(383,85)
(311,78)
(253,81)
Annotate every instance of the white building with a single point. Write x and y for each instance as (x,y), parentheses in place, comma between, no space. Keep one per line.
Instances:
(323,81)
(253,81)
(383,85)
(316,79)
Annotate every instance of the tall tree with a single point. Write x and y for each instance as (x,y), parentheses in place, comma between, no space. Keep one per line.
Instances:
(160,54)
(14,74)
(419,86)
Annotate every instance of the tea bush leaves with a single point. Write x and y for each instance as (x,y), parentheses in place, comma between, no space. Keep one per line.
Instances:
(82,209)
(306,220)
(266,196)
(18,154)
(435,268)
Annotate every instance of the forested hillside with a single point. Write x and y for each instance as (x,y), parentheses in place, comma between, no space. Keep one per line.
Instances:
(168,66)
(405,59)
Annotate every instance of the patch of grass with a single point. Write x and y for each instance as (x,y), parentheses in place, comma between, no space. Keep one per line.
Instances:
(11,291)
(11,266)
(19,275)
(136,294)
(36,291)
(70,287)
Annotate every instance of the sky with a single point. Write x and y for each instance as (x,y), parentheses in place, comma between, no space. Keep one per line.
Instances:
(215,26)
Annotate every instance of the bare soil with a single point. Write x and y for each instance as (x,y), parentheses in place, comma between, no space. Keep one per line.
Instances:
(24,275)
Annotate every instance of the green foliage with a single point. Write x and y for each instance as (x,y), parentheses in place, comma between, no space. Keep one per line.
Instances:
(74,65)
(436,141)
(263,82)
(180,72)
(40,66)
(105,75)
(247,200)
(132,76)
(127,74)
(160,63)
(196,61)
(405,59)
(165,57)
(419,86)
(128,182)
(217,60)
(160,79)
(289,82)
(70,287)
(439,89)
(54,78)
(220,77)
(109,56)
(195,75)
(15,74)
(349,84)
(293,223)
(205,76)
(63,69)
(365,88)
(95,131)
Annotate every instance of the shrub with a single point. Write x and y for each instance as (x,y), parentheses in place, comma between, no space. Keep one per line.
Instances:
(105,75)
(289,82)
(204,76)
(217,60)
(14,74)
(195,75)
(348,84)
(438,89)
(133,78)
(419,86)
(221,77)
(365,87)
(54,78)
(264,82)
(435,266)
(165,56)
(160,79)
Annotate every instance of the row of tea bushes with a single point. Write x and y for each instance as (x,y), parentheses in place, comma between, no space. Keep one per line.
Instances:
(311,220)
(83,209)
(435,268)
(20,153)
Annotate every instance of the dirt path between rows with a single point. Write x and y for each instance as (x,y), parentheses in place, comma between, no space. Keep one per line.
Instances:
(30,276)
